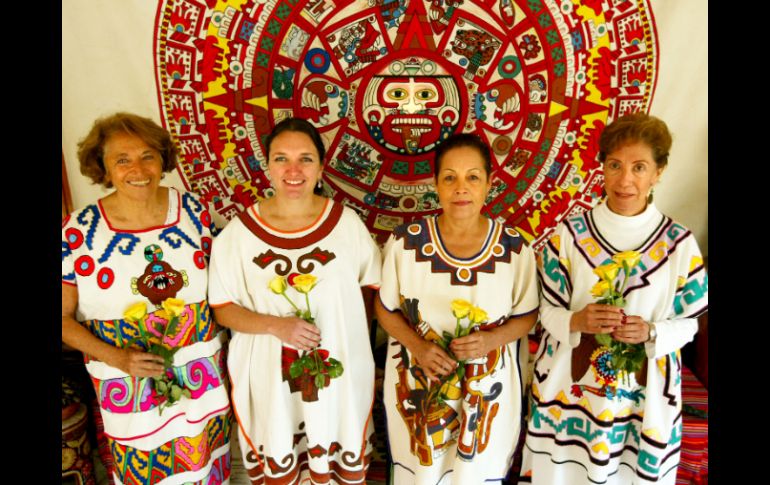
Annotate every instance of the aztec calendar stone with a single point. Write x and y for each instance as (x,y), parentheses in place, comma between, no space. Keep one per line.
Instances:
(386,81)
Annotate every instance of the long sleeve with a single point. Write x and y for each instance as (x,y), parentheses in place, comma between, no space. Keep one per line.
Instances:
(555,312)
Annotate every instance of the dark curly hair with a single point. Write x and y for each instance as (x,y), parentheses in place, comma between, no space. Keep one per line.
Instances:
(637,127)
(91,148)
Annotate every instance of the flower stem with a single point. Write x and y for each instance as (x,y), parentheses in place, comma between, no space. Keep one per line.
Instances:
(292,303)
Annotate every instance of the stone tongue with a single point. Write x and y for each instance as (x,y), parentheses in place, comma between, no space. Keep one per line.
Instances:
(411,137)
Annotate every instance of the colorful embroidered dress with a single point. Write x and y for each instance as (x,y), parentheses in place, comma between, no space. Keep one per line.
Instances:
(289,430)
(113,269)
(471,437)
(586,426)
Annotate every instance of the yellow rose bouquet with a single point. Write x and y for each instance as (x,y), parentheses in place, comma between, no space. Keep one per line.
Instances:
(626,358)
(166,385)
(461,309)
(314,368)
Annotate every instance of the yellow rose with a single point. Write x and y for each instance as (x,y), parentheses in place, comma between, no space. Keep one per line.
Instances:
(135,312)
(600,289)
(477,315)
(278,285)
(173,306)
(461,308)
(607,271)
(302,282)
(627,259)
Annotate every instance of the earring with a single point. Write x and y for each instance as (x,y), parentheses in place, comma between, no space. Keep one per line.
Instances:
(319,185)
(649,197)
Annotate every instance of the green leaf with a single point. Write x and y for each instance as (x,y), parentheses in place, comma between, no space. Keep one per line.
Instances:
(171,326)
(604,339)
(447,336)
(319,381)
(460,372)
(335,371)
(176,392)
(296,369)
(161,386)
(186,393)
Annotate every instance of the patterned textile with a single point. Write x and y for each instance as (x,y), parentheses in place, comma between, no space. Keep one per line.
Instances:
(113,269)
(471,435)
(586,424)
(694,458)
(291,431)
(386,81)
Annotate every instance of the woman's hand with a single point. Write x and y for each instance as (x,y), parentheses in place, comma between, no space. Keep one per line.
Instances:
(137,363)
(634,330)
(597,318)
(298,333)
(475,345)
(434,361)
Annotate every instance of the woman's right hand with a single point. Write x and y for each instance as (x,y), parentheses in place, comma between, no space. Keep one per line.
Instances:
(298,333)
(597,318)
(434,361)
(137,363)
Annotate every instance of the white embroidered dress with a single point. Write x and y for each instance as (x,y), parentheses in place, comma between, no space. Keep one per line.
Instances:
(472,438)
(585,425)
(289,430)
(113,269)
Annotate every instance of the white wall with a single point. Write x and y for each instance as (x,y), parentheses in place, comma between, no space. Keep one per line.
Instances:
(120,76)
(98,82)
(681,100)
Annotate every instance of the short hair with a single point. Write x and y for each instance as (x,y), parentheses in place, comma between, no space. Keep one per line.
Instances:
(637,127)
(459,140)
(91,148)
(297,125)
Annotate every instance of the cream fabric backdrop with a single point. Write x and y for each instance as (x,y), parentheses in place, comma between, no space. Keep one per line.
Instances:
(107,66)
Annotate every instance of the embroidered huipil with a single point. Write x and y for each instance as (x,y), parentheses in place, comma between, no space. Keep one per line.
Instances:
(113,269)
(289,430)
(471,437)
(586,426)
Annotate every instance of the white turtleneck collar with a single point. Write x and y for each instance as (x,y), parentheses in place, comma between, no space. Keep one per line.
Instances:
(626,232)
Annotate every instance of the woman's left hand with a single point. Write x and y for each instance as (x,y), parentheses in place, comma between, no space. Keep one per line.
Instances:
(473,346)
(633,330)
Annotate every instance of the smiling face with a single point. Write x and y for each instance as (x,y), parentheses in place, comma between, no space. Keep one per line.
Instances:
(629,173)
(462,183)
(132,166)
(294,165)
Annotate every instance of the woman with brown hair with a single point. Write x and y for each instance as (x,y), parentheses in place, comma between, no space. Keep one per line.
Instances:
(622,286)
(134,281)
(287,278)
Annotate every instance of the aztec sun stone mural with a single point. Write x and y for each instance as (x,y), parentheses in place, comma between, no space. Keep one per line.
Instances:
(386,81)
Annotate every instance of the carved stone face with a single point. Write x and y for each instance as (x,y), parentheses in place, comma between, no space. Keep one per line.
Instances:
(411,114)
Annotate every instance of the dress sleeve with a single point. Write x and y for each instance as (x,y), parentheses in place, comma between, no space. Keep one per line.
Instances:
(554,272)
(526,295)
(68,237)
(225,273)
(690,301)
(370,260)
(390,288)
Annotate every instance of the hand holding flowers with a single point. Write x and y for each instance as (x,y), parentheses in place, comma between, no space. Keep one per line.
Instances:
(626,357)
(168,390)
(312,367)
(446,388)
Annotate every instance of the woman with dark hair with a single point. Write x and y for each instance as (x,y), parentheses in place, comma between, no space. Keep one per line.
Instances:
(459,295)
(132,265)
(606,397)
(287,278)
